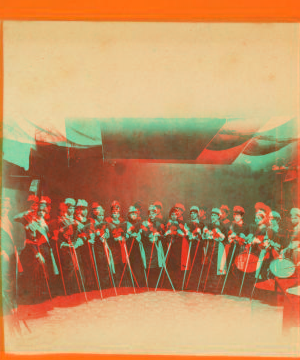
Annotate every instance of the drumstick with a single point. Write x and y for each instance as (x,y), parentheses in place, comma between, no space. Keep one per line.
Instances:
(108,265)
(125,266)
(165,261)
(62,275)
(212,254)
(164,265)
(192,263)
(45,274)
(256,279)
(201,272)
(130,271)
(250,248)
(74,265)
(79,270)
(228,270)
(95,267)
(150,260)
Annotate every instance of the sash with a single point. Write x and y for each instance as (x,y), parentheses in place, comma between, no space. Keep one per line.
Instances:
(160,254)
(109,257)
(222,259)
(143,254)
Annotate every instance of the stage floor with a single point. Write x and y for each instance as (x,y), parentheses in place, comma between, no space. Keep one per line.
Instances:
(160,322)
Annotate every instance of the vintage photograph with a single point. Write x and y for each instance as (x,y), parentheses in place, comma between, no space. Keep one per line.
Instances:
(149,199)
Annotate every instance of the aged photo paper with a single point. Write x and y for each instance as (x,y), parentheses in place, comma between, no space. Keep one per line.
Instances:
(150,188)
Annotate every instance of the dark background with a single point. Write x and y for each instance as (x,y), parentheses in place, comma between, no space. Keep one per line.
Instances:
(84,175)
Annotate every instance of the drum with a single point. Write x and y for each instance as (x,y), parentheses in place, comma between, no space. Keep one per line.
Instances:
(242,259)
(282,268)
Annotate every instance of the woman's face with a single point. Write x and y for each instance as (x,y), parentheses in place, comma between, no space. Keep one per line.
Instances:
(98,213)
(194,215)
(71,210)
(295,220)
(214,217)
(115,214)
(258,219)
(152,215)
(41,213)
(81,211)
(133,215)
(173,216)
(237,217)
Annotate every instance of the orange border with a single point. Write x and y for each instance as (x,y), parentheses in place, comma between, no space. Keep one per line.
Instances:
(155,10)
(139,10)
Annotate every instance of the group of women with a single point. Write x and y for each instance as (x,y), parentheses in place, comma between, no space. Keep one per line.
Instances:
(78,253)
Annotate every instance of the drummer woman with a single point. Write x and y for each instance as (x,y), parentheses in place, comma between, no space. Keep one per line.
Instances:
(237,234)
(255,239)
(271,245)
(293,249)
(172,245)
(135,247)
(104,261)
(215,254)
(151,236)
(118,245)
(286,268)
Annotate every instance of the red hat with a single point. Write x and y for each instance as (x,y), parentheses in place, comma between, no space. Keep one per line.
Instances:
(95,204)
(33,198)
(115,203)
(238,210)
(179,206)
(45,199)
(225,208)
(262,207)
(173,210)
(158,204)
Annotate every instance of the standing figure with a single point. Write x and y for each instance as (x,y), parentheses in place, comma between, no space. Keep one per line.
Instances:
(104,260)
(238,231)
(84,247)
(202,214)
(63,233)
(293,249)
(193,229)
(37,258)
(135,247)
(138,207)
(117,243)
(249,262)
(225,216)
(271,245)
(180,209)
(159,209)
(172,244)
(46,200)
(214,254)
(152,232)
(9,261)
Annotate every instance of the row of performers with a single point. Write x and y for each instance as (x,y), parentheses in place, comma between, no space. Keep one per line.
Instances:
(75,253)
